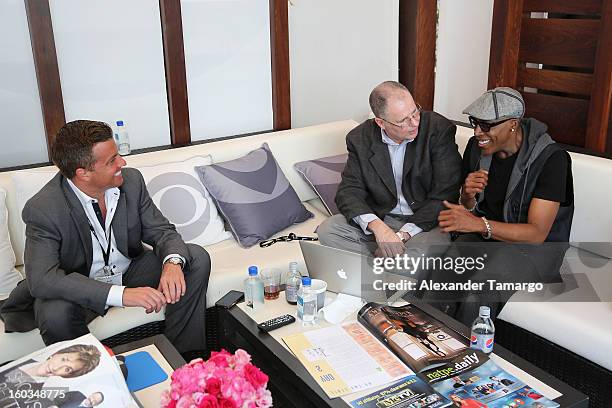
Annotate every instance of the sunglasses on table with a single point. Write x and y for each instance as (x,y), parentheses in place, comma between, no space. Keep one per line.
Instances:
(485,126)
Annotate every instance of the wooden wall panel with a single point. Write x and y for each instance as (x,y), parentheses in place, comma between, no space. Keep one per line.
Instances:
(505,39)
(598,135)
(560,42)
(559,81)
(45,62)
(279,47)
(417,49)
(565,117)
(576,7)
(176,77)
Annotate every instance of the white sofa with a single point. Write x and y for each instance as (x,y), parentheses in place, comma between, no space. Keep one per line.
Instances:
(553,321)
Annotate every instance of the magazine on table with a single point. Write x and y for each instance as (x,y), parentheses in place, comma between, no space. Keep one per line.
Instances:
(409,392)
(74,373)
(418,339)
(474,380)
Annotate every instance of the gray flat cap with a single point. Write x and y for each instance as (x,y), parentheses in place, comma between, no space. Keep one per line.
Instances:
(497,104)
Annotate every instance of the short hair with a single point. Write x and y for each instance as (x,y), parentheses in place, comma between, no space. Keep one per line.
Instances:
(88,355)
(380,95)
(101,396)
(73,144)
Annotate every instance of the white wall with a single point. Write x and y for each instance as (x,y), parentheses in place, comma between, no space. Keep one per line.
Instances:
(462,54)
(22,134)
(339,50)
(227,59)
(111,64)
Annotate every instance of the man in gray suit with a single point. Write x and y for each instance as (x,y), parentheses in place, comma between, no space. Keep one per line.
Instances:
(401,166)
(84,248)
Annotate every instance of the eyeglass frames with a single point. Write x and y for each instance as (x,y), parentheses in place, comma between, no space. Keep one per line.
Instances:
(286,238)
(485,126)
(407,121)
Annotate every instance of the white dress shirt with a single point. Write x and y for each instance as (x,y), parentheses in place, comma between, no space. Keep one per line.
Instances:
(117,261)
(397,151)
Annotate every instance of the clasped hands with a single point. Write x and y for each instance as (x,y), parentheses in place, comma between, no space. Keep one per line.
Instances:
(171,287)
(389,244)
(457,217)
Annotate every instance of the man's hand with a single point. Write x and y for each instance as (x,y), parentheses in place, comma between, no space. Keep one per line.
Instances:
(148,298)
(475,183)
(457,218)
(172,282)
(389,244)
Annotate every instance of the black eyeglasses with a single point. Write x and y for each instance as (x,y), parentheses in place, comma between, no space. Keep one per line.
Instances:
(485,126)
(286,238)
(408,120)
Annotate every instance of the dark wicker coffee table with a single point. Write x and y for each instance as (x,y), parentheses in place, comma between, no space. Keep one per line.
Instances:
(292,385)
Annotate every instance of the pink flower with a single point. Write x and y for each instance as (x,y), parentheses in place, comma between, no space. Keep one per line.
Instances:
(255,376)
(224,381)
(227,403)
(208,401)
(219,358)
(213,386)
(242,358)
(264,398)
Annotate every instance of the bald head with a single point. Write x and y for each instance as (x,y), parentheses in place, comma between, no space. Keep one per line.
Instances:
(380,96)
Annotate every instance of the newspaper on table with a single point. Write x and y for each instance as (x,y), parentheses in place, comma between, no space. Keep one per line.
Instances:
(65,374)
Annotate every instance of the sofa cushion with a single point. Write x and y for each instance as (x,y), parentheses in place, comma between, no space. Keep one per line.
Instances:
(9,277)
(176,190)
(324,175)
(230,262)
(253,195)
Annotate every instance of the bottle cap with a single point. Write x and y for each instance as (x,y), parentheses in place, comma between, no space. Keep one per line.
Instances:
(252,270)
(306,281)
(292,266)
(484,311)
(119,123)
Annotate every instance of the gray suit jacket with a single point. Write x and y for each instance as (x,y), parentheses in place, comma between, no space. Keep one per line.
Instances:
(431,173)
(58,250)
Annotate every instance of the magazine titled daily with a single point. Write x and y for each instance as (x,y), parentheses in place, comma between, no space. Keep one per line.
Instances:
(473,380)
(72,373)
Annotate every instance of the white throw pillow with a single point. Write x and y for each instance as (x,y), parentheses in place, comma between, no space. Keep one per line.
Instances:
(26,183)
(176,190)
(8,274)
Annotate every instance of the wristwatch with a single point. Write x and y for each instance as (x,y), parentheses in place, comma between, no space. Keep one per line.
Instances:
(176,261)
(401,236)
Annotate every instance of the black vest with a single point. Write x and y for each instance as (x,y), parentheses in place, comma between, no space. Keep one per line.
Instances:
(519,200)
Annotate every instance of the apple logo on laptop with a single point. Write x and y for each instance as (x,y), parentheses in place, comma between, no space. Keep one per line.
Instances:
(341,274)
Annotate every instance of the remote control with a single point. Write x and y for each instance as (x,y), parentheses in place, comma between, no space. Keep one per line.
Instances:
(275,323)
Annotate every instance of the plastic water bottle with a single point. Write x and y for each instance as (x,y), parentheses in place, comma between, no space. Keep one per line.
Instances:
(121,138)
(483,331)
(292,283)
(307,303)
(253,289)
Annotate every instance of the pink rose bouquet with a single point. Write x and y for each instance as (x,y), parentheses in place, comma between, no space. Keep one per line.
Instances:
(224,381)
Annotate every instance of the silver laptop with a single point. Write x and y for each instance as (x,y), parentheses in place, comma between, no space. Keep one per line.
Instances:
(344,271)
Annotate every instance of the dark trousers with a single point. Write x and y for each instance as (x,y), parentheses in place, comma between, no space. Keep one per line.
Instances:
(504,263)
(60,320)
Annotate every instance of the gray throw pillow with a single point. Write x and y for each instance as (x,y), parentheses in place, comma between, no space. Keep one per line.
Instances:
(253,195)
(324,175)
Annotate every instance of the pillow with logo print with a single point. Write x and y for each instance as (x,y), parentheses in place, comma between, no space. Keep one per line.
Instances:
(179,195)
(253,195)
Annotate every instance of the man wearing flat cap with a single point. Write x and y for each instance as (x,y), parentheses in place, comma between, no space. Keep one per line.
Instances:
(517,189)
